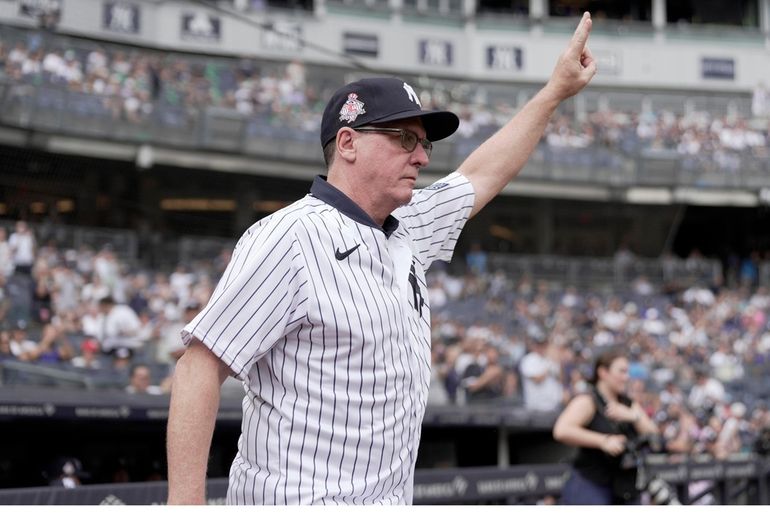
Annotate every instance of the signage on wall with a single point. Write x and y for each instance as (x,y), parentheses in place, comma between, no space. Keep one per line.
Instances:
(284,36)
(608,62)
(503,57)
(718,68)
(121,17)
(435,52)
(201,26)
(46,12)
(366,45)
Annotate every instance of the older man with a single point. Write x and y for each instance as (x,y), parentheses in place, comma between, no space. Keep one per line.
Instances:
(323,312)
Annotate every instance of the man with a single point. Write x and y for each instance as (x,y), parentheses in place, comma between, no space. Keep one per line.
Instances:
(23,246)
(322,310)
(541,385)
(140,381)
(120,327)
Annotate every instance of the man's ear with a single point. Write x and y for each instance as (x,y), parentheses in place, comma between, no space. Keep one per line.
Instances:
(346,148)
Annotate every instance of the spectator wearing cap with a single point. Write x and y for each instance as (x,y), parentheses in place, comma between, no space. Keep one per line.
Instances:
(89,356)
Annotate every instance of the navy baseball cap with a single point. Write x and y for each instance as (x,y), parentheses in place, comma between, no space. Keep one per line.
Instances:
(378,100)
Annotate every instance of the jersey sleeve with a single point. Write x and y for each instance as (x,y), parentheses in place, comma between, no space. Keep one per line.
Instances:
(436,215)
(257,299)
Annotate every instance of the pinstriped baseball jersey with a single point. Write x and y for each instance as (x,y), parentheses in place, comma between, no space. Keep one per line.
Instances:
(324,315)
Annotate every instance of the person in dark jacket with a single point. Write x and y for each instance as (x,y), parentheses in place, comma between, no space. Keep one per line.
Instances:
(603,423)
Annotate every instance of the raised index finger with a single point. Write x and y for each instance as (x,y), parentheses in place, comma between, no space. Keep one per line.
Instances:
(580,37)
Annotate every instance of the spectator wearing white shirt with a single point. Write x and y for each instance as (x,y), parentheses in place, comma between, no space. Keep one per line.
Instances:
(706,390)
(22,244)
(120,327)
(541,383)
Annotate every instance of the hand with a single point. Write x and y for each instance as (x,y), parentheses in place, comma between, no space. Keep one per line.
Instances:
(576,65)
(613,444)
(620,413)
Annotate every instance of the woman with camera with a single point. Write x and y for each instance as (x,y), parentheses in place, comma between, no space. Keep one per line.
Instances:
(604,423)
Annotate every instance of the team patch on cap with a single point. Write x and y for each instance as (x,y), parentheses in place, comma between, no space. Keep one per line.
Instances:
(352,108)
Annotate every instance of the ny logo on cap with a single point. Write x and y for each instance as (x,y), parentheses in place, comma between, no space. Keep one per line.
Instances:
(352,108)
(412,94)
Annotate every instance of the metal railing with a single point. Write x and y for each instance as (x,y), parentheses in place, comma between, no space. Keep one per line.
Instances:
(54,110)
(740,481)
(584,271)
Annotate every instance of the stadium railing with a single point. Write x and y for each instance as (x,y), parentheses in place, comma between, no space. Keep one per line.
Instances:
(55,110)
(123,242)
(740,480)
(587,271)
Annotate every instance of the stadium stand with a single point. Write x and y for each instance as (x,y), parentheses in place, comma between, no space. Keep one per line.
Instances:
(696,326)
(699,351)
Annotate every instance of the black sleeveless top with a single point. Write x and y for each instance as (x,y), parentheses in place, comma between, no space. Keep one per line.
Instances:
(595,464)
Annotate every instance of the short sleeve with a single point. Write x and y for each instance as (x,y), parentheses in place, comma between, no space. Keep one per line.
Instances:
(257,299)
(436,216)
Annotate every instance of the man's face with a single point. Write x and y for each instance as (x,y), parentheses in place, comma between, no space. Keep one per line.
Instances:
(387,169)
(141,378)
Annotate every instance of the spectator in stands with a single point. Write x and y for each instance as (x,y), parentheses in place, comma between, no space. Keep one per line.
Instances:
(541,378)
(55,344)
(67,473)
(6,353)
(760,101)
(476,259)
(22,347)
(140,381)
(170,346)
(600,424)
(23,246)
(89,356)
(5,304)
(120,327)
(44,289)
(485,379)
(706,392)
(6,254)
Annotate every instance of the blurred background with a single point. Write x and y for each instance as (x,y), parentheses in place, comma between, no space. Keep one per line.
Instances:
(139,138)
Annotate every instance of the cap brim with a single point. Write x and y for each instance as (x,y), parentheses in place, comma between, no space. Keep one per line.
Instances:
(438,124)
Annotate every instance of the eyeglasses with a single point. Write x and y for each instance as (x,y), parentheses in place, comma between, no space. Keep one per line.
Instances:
(409,139)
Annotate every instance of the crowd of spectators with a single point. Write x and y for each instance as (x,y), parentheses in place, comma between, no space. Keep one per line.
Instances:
(85,310)
(134,84)
(138,85)
(699,355)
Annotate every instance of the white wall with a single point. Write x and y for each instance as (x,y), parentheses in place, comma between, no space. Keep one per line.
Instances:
(649,60)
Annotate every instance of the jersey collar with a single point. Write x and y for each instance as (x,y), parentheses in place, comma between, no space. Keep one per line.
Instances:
(327,193)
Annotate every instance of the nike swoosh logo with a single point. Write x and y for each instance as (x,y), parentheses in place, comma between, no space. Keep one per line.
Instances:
(342,255)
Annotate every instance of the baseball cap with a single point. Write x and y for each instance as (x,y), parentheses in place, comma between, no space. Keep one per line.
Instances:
(379,100)
(89,345)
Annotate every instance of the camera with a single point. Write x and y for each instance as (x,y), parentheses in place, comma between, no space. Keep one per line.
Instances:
(637,448)
(661,493)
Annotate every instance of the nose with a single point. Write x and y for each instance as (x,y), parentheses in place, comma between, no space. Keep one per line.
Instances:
(420,157)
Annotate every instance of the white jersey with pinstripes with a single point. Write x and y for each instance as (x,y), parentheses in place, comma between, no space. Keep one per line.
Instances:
(324,316)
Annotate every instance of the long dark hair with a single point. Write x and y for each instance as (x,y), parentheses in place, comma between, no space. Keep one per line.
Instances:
(605,359)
